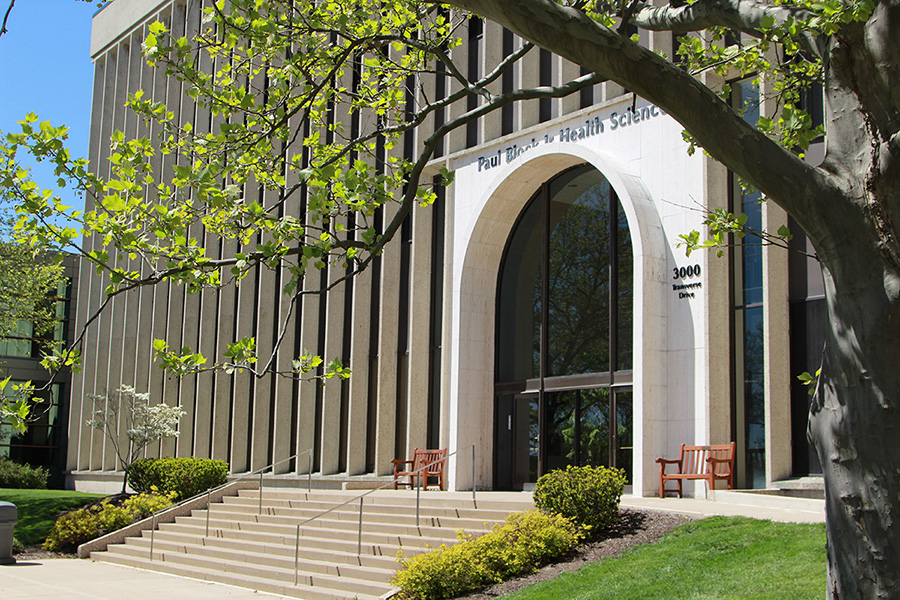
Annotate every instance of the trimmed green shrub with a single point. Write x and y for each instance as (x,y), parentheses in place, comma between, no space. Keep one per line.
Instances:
(185,477)
(85,524)
(22,477)
(523,543)
(587,495)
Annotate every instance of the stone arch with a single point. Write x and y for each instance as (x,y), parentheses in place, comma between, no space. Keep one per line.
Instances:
(479,242)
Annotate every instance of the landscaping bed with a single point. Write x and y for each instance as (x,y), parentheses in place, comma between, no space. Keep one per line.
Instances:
(37,510)
(634,527)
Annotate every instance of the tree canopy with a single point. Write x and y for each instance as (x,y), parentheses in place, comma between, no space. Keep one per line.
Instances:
(308,100)
(28,287)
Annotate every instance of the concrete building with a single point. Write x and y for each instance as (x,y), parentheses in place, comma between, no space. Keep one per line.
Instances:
(541,310)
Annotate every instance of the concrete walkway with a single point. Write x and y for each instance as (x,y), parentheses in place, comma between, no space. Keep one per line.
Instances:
(734,504)
(75,579)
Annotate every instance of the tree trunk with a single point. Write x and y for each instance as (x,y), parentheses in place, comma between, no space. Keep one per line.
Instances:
(855,423)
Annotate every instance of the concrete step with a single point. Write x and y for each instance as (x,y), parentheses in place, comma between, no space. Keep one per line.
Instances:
(372,521)
(277,572)
(502,501)
(279,533)
(245,548)
(255,582)
(314,563)
(277,524)
(372,555)
(309,508)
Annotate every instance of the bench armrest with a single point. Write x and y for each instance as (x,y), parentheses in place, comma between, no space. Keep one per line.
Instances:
(396,461)
(714,461)
(666,461)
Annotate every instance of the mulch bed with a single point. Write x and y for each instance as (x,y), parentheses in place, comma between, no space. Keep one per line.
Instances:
(38,553)
(633,528)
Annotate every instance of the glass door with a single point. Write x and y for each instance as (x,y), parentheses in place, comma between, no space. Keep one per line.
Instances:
(518,441)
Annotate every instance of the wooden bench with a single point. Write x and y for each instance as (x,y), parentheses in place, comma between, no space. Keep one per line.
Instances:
(436,461)
(699,462)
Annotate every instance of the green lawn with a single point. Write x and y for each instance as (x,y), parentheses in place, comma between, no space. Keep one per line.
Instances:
(720,558)
(38,509)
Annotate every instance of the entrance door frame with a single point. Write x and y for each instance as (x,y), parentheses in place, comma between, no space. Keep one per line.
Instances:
(484,211)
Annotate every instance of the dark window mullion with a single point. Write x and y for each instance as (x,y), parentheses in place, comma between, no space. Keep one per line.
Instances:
(545,326)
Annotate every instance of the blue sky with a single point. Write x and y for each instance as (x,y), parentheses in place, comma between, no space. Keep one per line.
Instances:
(45,68)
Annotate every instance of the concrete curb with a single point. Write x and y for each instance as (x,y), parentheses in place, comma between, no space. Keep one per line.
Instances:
(166,516)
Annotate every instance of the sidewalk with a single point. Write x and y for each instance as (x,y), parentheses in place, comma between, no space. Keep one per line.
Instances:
(76,579)
(733,504)
(83,579)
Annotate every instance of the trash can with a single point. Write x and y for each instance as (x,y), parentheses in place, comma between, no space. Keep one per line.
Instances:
(8,518)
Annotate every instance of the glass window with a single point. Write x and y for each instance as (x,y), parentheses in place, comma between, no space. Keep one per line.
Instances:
(564,330)
(579,274)
(39,445)
(18,344)
(519,305)
(748,347)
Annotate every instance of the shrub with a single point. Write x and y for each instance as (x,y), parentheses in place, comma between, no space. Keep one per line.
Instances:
(85,524)
(185,477)
(17,547)
(524,542)
(587,495)
(19,476)
(144,505)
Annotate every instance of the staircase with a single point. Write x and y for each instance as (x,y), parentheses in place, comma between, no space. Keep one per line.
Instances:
(256,551)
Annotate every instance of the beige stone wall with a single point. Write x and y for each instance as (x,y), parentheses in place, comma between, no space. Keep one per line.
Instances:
(351,427)
(395,396)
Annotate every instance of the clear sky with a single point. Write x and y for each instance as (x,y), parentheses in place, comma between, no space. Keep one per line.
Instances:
(45,68)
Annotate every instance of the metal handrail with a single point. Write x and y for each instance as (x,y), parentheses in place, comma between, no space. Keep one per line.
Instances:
(211,491)
(372,491)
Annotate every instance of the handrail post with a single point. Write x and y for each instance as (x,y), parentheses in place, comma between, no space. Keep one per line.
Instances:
(418,490)
(309,472)
(297,554)
(207,512)
(152,530)
(473,476)
(260,491)
(359,535)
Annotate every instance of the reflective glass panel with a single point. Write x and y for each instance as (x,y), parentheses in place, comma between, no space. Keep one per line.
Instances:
(594,428)
(578,270)
(624,431)
(519,308)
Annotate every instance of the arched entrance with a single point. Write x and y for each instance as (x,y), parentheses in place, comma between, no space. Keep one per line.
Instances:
(564,323)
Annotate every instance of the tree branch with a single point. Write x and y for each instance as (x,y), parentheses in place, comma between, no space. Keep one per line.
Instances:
(743,15)
(799,188)
(6,17)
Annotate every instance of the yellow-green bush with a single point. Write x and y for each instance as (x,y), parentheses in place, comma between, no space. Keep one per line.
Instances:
(588,495)
(524,542)
(85,524)
(144,505)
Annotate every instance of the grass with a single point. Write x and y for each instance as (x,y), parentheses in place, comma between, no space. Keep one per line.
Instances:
(38,509)
(719,558)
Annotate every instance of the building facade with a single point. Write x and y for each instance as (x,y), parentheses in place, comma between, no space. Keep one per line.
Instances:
(44,444)
(540,311)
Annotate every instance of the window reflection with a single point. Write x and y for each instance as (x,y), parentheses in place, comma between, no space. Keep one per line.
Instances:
(564,332)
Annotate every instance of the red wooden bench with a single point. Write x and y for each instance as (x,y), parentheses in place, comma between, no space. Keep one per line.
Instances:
(435,459)
(699,462)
